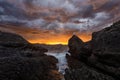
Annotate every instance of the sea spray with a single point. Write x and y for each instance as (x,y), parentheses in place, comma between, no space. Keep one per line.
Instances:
(62,61)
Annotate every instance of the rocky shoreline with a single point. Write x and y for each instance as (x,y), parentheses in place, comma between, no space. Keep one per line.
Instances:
(98,59)
(20,60)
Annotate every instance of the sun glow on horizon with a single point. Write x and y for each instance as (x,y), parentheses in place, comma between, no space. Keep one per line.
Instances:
(62,40)
(49,43)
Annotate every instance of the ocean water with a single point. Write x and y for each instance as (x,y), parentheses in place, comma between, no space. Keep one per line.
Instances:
(62,61)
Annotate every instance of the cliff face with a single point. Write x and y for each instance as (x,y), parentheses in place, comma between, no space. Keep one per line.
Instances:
(98,59)
(20,60)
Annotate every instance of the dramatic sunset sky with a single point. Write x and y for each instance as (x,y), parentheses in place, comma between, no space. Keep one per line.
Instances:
(55,21)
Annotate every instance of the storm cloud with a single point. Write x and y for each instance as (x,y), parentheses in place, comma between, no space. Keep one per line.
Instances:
(59,16)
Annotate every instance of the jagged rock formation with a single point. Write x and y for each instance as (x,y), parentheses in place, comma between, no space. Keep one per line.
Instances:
(20,60)
(98,59)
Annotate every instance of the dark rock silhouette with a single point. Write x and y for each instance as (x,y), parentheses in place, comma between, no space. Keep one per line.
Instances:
(75,45)
(78,49)
(98,59)
(20,60)
(10,39)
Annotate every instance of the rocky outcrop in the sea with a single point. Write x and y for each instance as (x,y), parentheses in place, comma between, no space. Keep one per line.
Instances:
(98,59)
(20,60)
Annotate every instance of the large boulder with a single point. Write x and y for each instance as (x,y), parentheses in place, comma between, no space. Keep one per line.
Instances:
(74,45)
(78,49)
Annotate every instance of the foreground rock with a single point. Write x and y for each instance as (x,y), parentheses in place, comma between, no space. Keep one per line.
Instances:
(20,60)
(98,59)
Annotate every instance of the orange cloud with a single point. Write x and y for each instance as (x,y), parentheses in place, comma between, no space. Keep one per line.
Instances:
(59,39)
(45,36)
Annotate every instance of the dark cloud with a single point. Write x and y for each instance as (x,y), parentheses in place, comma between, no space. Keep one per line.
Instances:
(11,10)
(59,16)
(86,11)
(110,5)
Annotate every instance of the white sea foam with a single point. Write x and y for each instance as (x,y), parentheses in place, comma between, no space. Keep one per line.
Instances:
(62,61)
